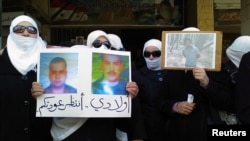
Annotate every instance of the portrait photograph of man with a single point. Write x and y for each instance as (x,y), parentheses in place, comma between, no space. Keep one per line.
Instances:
(57,74)
(110,74)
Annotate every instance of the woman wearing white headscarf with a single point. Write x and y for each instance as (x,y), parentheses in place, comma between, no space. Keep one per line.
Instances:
(116,43)
(94,129)
(86,129)
(234,52)
(237,49)
(239,56)
(150,79)
(18,70)
(189,120)
(98,39)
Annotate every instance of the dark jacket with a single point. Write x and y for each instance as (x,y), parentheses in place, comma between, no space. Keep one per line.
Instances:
(18,107)
(232,71)
(134,126)
(243,90)
(178,84)
(150,83)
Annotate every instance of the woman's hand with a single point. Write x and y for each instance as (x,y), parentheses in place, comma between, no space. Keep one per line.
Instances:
(201,75)
(184,107)
(132,89)
(36,89)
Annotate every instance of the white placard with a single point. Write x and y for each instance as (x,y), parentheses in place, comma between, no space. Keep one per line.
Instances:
(83,68)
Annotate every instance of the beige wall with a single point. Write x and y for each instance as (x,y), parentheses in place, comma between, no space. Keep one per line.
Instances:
(245,17)
(205,15)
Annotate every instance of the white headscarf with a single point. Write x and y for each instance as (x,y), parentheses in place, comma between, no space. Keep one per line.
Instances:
(94,35)
(238,48)
(115,41)
(191,29)
(154,64)
(24,51)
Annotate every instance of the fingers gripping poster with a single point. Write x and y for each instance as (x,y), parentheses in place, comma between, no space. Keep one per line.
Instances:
(82,82)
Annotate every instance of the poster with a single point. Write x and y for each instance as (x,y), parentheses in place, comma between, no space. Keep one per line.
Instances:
(79,70)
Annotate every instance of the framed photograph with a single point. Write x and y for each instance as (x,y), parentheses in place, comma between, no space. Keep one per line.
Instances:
(188,49)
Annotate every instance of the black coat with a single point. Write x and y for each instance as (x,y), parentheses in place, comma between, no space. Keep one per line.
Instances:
(18,107)
(150,83)
(242,94)
(134,126)
(178,84)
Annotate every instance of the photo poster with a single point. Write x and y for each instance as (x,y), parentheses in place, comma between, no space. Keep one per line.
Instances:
(84,67)
(184,50)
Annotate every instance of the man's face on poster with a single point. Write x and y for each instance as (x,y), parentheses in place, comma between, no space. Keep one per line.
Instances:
(57,74)
(188,43)
(112,67)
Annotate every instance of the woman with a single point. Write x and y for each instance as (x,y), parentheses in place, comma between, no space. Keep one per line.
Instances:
(18,70)
(189,120)
(238,67)
(150,80)
(86,129)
